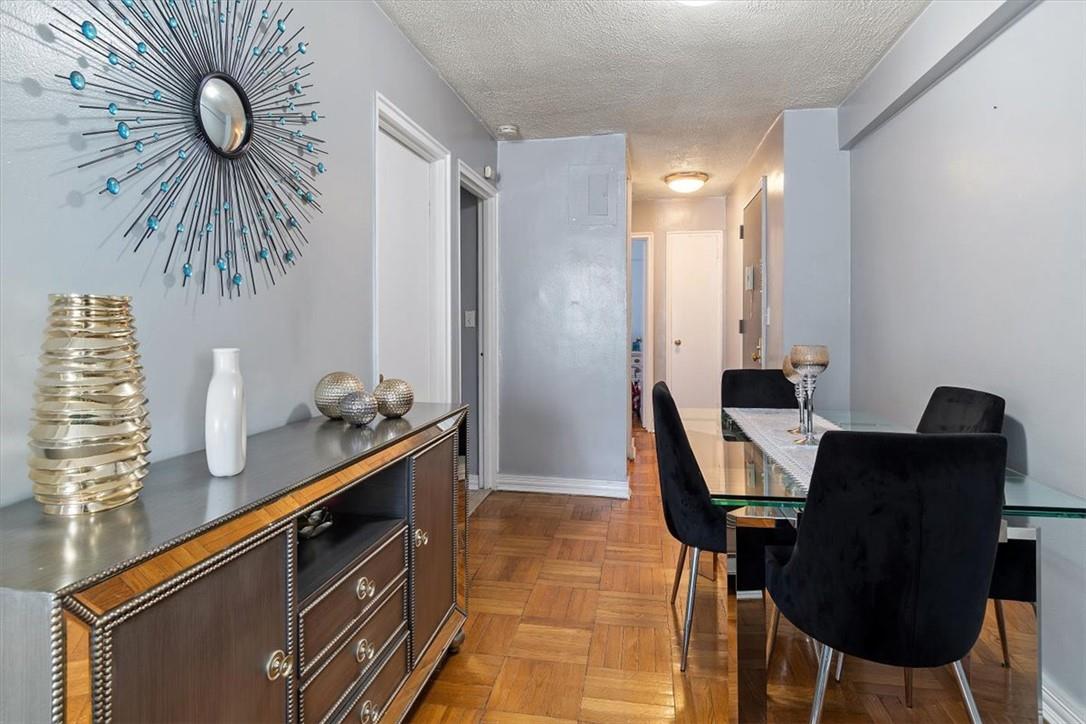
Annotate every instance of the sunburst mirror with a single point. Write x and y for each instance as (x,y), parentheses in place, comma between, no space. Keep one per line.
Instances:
(205,112)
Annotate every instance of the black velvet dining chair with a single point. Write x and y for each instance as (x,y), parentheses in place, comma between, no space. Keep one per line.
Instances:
(757,388)
(959,409)
(894,559)
(689,513)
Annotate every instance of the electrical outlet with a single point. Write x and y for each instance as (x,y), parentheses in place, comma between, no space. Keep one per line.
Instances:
(469,319)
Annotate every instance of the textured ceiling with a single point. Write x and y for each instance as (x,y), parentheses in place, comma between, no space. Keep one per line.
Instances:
(693,87)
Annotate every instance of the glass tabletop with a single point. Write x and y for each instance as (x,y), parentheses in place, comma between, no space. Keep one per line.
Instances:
(739,473)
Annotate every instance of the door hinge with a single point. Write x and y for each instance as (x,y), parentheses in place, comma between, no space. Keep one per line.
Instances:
(740,231)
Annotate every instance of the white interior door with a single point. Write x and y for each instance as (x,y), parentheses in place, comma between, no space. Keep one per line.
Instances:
(411,342)
(695,308)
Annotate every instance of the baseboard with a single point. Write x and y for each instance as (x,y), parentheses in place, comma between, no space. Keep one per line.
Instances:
(564,486)
(1056,707)
(473,482)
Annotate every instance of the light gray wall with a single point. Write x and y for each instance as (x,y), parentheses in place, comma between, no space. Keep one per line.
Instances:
(969,268)
(469,301)
(58,235)
(659,216)
(815,292)
(563,370)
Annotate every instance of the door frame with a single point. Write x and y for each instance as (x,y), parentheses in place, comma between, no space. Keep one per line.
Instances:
(393,121)
(648,344)
(719,276)
(487,193)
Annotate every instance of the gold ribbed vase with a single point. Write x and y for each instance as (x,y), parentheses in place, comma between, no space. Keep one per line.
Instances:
(89,429)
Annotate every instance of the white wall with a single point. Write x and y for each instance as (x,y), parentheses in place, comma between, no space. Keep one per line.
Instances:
(659,216)
(564,357)
(969,268)
(58,235)
(807,245)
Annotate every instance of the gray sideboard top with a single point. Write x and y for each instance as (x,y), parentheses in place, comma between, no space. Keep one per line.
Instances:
(47,553)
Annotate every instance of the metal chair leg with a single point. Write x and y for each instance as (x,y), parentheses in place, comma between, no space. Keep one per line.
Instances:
(908,687)
(687,625)
(840,666)
(1002,625)
(967,693)
(678,573)
(774,624)
(824,661)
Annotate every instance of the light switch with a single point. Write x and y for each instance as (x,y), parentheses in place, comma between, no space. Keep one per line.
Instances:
(469,319)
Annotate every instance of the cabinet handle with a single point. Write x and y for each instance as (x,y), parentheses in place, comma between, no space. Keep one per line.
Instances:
(364,651)
(286,668)
(364,589)
(274,667)
(367,714)
(421,538)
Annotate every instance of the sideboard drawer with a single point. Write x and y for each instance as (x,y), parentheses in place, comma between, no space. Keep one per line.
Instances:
(369,705)
(354,658)
(344,603)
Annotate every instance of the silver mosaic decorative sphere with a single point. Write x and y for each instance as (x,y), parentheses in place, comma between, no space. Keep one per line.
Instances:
(332,388)
(358,408)
(394,397)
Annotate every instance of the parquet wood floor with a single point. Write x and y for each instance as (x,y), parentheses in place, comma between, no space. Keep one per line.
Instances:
(570,621)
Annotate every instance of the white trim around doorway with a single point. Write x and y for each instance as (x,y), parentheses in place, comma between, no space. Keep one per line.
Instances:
(487,194)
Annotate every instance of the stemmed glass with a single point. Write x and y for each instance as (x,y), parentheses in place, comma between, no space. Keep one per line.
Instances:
(809,360)
(795,378)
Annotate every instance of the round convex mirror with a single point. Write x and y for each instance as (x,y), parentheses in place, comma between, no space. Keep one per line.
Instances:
(224,115)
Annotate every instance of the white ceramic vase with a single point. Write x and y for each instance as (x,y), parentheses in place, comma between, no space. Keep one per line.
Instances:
(224,416)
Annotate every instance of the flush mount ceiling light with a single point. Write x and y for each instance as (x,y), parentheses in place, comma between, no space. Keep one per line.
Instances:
(686,182)
(508,130)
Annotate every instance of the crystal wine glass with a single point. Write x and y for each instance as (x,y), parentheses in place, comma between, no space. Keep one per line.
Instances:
(809,360)
(795,378)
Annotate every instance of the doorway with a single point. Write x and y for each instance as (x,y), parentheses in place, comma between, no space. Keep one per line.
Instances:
(752,326)
(412,270)
(641,336)
(695,311)
(477,327)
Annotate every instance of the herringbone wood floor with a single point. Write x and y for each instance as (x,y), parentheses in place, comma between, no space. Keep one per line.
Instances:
(570,621)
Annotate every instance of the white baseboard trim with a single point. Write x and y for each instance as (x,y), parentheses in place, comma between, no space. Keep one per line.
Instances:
(473,482)
(564,486)
(1056,707)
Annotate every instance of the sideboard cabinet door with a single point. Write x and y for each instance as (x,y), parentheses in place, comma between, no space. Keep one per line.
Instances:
(433,594)
(201,653)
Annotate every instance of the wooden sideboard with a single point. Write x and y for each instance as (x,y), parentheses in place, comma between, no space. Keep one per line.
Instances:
(200,601)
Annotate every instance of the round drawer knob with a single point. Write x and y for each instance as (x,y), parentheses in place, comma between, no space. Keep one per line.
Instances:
(274,667)
(364,589)
(366,714)
(364,651)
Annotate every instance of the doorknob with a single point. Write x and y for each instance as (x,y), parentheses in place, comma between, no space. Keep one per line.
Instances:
(678,343)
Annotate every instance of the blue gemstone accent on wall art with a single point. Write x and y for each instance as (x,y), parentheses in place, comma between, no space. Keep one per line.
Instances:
(157,95)
(180,228)
(163,187)
(122,130)
(114,59)
(112,108)
(280,49)
(264,14)
(320,167)
(139,146)
(187,269)
(237,280)
(113,186)
(256,50)
(172,22)
(152,222)
(297,87)
(264,253)
(77,80)
(209,228)
(128,3)
(313,116)
(309,196)
(139,166)
(141,48)
(155,135)
(182,154)
(293,222)
(221,264)
(281,25)
(89,31)
(302,48)
(139,119)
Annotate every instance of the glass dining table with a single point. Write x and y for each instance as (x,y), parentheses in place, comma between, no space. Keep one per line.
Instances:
(764,499)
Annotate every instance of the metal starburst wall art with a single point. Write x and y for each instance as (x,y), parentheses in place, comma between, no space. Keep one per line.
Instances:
(206,107)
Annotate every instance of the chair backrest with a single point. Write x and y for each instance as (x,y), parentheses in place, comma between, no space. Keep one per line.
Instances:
(959,409)
(688,509)
(757,388)
(898,542)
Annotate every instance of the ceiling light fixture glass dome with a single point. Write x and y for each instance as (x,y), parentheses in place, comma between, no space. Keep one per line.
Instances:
(686,182)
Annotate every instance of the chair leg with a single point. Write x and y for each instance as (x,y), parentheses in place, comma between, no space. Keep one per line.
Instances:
(774,624)
(967,693)
(688,624)
(908,687)
(1002,625)
(678,573)
(840,665)
(824,662)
